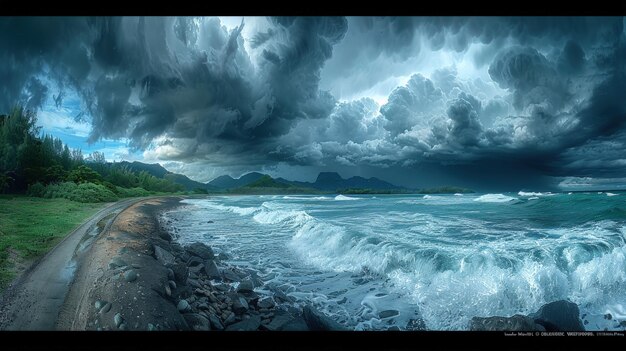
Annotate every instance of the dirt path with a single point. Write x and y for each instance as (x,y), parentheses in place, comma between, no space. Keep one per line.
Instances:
(34,300)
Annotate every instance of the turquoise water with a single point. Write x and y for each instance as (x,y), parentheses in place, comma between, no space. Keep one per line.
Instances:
(441,258)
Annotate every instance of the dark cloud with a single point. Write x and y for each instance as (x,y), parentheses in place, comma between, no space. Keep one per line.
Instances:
(549,98)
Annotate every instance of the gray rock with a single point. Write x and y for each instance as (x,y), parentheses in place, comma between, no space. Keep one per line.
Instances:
(122,326)
(168,291)
(250,324)
(197,269)
(245,285)
(393,328)
(240,305)
(117,262)
(151,327)
(172,284)
(279,321)
(118,320)
(223,256)
(295,324)
(559,316)
(266,302)
(197,322)
(130,275)
(281,296)
(319,321)
(517,322)
(163,256)
(215,322)
(387,314)
(183,306)
(194,261)
(194,283)
(201,250)
(170,274)
(181,272)
(106,308)
(99,304)
(211,270)
(231,275)
(230,319)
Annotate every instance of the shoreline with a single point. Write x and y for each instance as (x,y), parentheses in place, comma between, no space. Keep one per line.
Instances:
(136,277)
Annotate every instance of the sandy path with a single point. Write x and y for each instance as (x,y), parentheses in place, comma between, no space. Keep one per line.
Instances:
(34,300)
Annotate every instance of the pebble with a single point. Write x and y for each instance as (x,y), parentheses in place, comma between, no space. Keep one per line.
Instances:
(168,291)
(172,284)
(106,308)
(215,322)
(122,326)
(99,304)
(183,305)
(130,275)
(117,319)
(151,327)
(170,274)
(608,316)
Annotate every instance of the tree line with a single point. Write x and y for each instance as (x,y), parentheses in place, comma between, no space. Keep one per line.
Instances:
(42,165)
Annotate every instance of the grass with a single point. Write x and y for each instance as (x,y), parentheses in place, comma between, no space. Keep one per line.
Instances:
(31,226)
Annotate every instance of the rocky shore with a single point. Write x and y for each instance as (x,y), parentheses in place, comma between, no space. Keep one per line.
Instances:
(559,315)
(138,278)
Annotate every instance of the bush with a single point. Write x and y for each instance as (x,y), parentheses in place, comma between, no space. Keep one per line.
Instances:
(85,192)
(36,190)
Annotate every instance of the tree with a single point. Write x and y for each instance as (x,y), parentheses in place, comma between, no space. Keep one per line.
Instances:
(84,174)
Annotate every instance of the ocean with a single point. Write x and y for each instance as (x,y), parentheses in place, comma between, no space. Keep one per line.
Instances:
(376,261)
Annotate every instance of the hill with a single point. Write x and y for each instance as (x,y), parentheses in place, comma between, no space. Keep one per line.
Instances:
(158,171)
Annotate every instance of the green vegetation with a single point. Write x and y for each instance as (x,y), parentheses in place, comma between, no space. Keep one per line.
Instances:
(29,227)
(267,185)
(42,166)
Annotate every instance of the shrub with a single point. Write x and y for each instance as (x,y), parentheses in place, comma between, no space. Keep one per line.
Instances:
(36,190)
(85,192)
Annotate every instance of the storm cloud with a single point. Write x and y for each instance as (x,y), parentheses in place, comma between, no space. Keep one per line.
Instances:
(359,94)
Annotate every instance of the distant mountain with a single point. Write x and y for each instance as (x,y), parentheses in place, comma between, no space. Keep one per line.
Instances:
(268,182)
(333,181)
(158,171)
(228,182)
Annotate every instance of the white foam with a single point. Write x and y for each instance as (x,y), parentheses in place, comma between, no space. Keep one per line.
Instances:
(611,194)
(427,197)
(533,198)
(524,193)
(321,198)
(345,198)
(458,194)
(494,198)
(242,211)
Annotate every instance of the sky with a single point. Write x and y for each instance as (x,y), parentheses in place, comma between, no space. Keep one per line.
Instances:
(490,103)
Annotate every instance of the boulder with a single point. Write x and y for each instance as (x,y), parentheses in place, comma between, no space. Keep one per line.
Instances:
(240,305)
(163,256)
(266,302)
(388,314)
(211,270)
(201,250)
(181,272)
(215,322)
(316,320)
(559,315)
(245,285)
(194,261)
(231,275)
(250,324)
(517,322)
(295,324)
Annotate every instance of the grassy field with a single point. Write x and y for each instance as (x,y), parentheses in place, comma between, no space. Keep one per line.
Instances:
(30,227)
